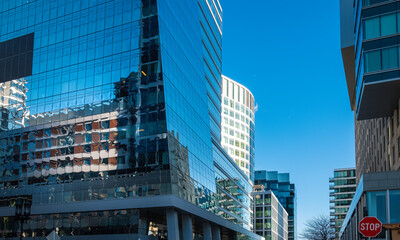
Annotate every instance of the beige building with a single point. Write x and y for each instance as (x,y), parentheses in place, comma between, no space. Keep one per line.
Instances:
(238,124)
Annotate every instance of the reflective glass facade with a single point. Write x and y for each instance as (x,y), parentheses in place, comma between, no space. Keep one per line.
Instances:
(284,190)
(104,100)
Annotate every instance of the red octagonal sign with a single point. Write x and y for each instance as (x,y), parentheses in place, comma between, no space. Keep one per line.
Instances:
(370,227)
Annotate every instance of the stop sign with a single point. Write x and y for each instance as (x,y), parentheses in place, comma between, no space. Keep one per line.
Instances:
(370,227)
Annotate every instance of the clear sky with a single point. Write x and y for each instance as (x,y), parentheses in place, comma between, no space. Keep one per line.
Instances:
(288,54)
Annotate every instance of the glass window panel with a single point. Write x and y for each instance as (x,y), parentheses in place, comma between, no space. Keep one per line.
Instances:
(371,28)
(372,2)
(376,202)
(372,61)
(398,22)
(394,197)
(389,58)
(388,24)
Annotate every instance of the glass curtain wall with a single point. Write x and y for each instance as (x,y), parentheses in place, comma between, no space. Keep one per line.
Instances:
(382,59)
(107,96)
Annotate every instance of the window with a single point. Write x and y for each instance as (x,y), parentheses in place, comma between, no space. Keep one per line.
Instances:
(380,26)
(371,28)
(372,61)
(381,59)
(268,224)
(259,224)
(259,212)
(389,58)
(259,200)
(388,24)
(372,2)
(376,202)
(394,198)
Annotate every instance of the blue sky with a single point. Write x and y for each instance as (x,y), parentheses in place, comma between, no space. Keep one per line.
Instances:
(288,54)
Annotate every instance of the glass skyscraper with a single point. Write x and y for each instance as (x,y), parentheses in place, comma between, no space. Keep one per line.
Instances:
(284,190)
(110,121)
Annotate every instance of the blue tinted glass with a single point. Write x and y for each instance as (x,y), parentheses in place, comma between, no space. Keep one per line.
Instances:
(376,202)
(394,198)
(388,24)
(371,28)
(389,58)
(373,61)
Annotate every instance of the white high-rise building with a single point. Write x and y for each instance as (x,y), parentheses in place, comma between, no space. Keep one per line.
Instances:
(237,127)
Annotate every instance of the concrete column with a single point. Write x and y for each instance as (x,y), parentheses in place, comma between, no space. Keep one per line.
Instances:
(207,233)
(172,224)
(187,227)
(216,233)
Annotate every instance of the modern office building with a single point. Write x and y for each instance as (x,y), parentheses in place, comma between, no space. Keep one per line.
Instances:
(341,191)
(284,190)
(110,122)
(370,55)
(270,218)
(370,52)
(238,118)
